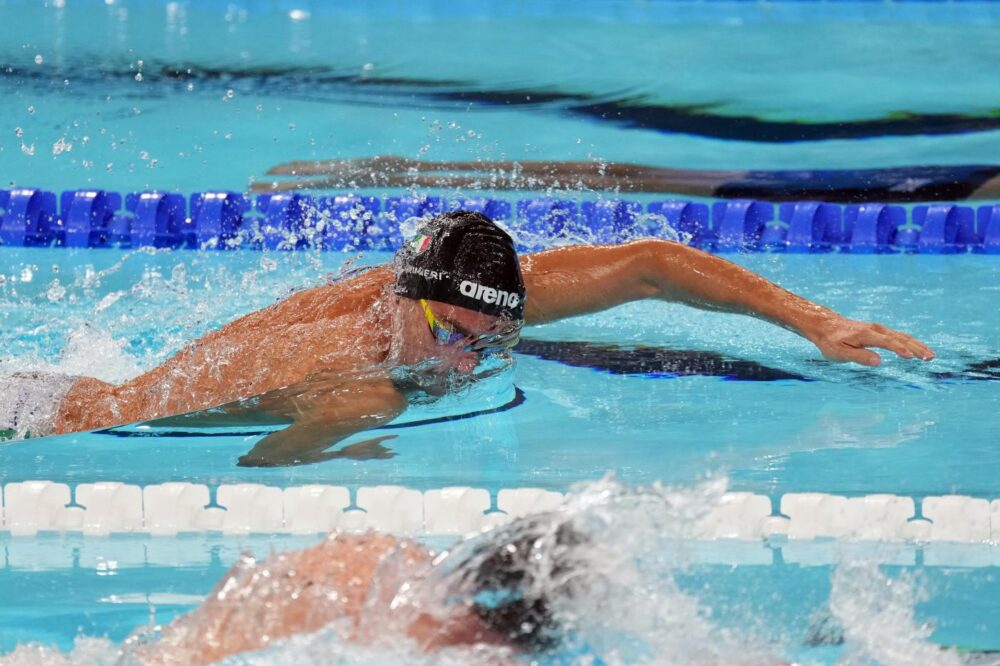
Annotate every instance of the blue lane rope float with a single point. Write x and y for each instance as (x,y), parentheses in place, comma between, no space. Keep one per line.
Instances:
(350,222)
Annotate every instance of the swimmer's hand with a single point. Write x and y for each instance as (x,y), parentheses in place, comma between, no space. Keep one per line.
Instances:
(323,414)
(369,449)
(841,339)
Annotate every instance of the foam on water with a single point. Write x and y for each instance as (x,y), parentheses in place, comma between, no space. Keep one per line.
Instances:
(611,590)
(86,652)
(876,613)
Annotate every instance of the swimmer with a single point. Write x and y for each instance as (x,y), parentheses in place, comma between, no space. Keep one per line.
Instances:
(496,589)
(325,361)
(886,185)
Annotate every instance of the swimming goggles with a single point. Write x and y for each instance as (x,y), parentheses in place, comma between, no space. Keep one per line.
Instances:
(484,345)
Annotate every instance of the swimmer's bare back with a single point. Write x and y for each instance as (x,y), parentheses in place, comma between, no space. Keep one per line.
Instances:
(317,330)
(352,578)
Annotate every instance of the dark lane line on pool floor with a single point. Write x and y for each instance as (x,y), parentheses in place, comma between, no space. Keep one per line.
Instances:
(651,362)
(317,83)
(518,400)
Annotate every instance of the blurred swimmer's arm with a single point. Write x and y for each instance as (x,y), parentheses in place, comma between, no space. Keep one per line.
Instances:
(571,281)
(323,416)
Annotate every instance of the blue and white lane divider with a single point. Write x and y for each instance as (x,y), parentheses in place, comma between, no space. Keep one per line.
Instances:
(113,507)
(229,220)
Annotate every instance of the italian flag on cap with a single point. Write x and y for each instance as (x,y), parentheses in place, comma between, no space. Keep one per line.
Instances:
(420,243)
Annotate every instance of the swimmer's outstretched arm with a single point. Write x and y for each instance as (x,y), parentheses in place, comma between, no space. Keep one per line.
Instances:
(571,281)
(322,416)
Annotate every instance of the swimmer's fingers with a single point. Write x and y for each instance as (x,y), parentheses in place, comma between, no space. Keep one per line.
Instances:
(848,340)
(902,344)
(370,449)
(917,348)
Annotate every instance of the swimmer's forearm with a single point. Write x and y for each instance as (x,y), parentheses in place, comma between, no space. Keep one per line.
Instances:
(576,280)
(319,425)
(703,280)
(699,279)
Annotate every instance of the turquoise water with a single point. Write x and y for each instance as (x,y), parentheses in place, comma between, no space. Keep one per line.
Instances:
(902,428)
(111,81)
(185,96)
(59,588)
(849,430)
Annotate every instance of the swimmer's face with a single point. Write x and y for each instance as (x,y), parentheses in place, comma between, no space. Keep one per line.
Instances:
(420,343)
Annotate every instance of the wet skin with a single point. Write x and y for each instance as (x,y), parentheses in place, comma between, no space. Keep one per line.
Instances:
(350,578)
(320,359)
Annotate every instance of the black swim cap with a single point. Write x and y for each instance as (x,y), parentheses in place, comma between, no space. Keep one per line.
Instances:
(463,259)
(507,591)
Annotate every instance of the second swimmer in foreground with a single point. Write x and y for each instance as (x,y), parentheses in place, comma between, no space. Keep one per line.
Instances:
(495,592)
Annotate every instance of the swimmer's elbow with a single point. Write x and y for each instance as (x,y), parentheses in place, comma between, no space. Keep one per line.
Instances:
(652,260)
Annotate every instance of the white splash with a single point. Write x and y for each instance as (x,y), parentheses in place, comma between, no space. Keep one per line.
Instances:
(611,591)
(85,652)
(94,352)
(876,614)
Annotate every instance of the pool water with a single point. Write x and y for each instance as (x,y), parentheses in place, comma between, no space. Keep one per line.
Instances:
(186,96)
(904,428)
(131,95)
(771,436)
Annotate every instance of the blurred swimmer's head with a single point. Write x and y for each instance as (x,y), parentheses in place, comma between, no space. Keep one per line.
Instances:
(516,575)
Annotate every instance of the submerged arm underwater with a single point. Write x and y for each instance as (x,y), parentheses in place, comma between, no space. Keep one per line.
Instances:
(323,416)
(571,281)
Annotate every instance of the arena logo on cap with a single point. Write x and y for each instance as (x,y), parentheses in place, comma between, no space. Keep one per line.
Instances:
(489,294)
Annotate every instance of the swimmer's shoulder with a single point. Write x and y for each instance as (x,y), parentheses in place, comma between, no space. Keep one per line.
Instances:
(341,295)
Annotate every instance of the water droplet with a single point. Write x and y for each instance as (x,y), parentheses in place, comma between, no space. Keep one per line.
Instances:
(39,59)
(138,76)
(143,155)
(18,132)
(31,110)
(110,166)
(61,146)
(259,108)
(28,150)
(56,291)
(230,93)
